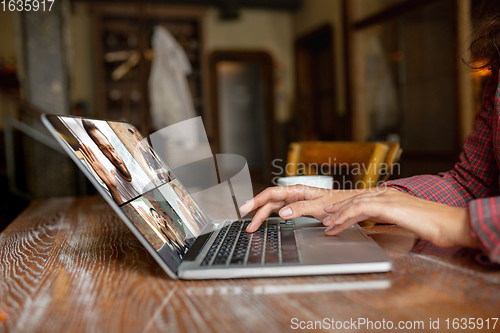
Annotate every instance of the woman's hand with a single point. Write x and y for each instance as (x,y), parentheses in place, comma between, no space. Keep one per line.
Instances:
(443,225)
(107,177)
(293,201)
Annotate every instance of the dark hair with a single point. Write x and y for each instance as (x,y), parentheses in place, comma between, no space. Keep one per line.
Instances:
(89,127)
(175,186)
(485,46)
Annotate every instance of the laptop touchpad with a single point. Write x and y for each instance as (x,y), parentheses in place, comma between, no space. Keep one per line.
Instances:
(316,247)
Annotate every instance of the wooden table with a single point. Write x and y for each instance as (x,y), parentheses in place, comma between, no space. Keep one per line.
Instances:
(70,265)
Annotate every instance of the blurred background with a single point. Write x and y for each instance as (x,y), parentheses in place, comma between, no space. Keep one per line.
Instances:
(261,74)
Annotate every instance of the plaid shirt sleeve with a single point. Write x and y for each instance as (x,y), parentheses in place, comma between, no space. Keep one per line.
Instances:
(473,182)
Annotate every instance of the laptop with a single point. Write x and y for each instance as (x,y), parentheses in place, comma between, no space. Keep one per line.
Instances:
(177,232)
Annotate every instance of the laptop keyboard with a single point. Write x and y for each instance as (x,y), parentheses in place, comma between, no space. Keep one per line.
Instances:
(272,243)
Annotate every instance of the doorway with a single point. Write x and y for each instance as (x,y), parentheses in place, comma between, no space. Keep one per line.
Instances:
(242,105)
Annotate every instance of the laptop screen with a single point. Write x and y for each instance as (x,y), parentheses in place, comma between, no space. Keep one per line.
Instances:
(128,170)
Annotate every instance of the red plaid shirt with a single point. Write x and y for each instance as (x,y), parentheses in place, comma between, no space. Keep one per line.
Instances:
(474,180)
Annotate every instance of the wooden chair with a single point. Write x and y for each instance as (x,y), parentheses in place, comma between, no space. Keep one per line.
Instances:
(368,158)
(393,156)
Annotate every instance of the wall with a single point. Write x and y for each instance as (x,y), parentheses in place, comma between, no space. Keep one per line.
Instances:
(80,54)
(8,56)
(8,33)
(44,49)
(312,15)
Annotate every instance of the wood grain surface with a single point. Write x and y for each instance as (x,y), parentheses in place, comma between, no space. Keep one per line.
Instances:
(70,265)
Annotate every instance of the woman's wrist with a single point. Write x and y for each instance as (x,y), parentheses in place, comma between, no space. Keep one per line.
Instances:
(465,231)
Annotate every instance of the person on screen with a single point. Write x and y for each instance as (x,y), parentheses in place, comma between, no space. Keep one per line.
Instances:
(149,158)
(188,209)
(166,228)
(118,181)
(458,208)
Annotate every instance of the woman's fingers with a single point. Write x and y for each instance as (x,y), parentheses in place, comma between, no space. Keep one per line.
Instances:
(304,208)
(351,211)
(296,209)
(83,150)
(92,154)
(83,154)
(87,153)
(281,193)
(300,200)
(345,221)
(263,213)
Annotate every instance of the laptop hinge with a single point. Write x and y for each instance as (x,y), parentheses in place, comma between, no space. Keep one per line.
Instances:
(197,246)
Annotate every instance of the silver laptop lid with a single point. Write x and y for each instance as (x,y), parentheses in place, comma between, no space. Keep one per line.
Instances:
(137,184)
